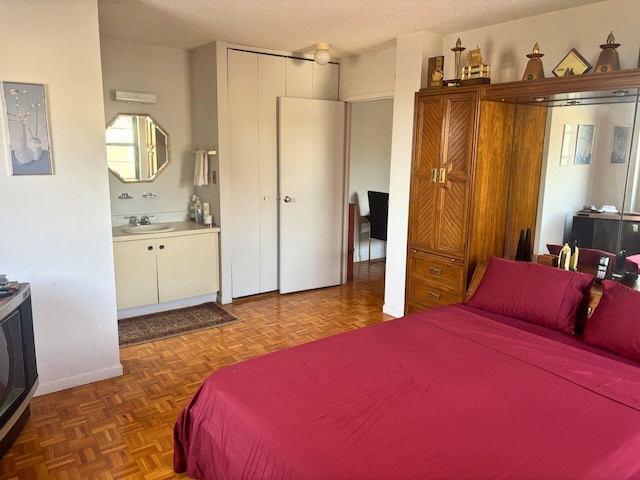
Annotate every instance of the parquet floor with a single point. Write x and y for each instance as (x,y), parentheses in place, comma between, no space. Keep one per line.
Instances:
(122,428)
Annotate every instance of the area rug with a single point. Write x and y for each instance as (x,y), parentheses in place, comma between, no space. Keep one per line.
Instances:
(154,326)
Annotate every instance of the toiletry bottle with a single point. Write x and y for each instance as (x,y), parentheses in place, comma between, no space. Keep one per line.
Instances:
(199,215)
(192,208)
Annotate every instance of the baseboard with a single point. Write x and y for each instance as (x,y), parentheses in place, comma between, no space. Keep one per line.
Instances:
(76,380)
(165,306)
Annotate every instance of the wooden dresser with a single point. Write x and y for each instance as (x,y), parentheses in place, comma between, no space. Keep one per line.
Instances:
(463,190)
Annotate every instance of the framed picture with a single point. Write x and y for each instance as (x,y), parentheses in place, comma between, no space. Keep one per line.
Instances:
(584,144)
(435,72)
(27,128)
(572,64)
(620,144)
(568,144)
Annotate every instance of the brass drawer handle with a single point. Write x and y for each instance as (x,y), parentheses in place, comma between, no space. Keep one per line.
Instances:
(434,175)
(443,175)
(435,271)
(434,295)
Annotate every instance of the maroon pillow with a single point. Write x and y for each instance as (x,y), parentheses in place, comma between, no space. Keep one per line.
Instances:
(615,323)
(532,292)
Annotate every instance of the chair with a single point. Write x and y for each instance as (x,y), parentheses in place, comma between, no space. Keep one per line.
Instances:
(378,216)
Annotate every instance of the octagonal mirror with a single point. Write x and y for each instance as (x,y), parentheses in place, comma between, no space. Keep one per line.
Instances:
(137,147)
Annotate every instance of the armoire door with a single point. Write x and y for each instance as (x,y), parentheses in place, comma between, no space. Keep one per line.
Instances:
(442,172)
(311,191)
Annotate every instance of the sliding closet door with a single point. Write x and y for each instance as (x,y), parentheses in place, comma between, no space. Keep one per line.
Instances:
(311,177)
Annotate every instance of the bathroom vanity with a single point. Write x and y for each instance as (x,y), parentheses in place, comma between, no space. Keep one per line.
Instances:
(167,264)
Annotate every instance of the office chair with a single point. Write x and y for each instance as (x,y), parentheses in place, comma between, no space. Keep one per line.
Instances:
(378,216)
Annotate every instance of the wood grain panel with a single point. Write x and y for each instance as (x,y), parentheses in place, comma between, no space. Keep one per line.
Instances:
(524,186)
(490,183)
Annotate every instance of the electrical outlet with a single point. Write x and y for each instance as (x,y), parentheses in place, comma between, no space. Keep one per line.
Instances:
(214,177)
(634,228)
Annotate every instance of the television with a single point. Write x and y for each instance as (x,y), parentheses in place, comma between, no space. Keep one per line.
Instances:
(18,369)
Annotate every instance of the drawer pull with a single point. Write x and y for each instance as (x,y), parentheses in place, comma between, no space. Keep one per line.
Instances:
(435,271)
(434,295)
(434,175)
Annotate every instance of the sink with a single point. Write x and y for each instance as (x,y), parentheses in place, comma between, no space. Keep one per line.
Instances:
(151,228)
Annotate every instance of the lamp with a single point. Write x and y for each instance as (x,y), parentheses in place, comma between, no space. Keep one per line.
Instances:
(322,54)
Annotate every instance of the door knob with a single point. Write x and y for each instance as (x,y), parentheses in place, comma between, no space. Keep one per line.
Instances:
(287,199)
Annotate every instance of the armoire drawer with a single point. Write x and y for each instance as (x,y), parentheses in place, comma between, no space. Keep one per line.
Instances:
(433,293)
(444,270)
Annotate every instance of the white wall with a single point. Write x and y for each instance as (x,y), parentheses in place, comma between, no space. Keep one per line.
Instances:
(368,76)
(370,159)
(164,72)
(56,231)
(410,52)
(204,106)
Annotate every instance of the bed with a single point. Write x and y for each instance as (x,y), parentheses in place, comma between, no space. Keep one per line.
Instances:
(500,387)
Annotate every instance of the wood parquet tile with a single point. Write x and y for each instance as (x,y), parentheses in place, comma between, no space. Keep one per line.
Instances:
(122,428)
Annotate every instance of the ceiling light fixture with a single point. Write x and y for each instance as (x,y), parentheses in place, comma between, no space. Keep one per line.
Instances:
(322,54)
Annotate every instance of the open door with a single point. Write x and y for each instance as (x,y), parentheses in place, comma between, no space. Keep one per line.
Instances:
(311,192)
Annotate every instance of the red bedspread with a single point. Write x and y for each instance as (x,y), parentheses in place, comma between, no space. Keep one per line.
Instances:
(441,394)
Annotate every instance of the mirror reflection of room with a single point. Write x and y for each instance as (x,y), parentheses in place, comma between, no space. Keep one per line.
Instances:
(589,182)
(137,147)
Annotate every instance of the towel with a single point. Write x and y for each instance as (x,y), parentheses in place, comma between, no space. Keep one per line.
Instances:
(200,176)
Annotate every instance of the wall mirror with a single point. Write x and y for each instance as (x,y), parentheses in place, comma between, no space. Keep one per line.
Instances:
(137,147)
(590,168)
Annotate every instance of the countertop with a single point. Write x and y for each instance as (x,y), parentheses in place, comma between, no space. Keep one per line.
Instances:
(182,228)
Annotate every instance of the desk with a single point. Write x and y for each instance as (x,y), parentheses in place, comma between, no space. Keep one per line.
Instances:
(600,231)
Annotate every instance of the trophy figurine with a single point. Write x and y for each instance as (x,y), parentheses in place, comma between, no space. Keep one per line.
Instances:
(458,49)
(534,65)
(476,72)
(608,59)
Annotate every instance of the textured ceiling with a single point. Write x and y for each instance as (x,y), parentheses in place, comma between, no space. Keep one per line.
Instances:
(350,26)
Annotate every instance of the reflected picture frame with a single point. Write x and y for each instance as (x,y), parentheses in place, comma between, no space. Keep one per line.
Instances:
(620,145)
(26,124)
(584,144)
(568,149)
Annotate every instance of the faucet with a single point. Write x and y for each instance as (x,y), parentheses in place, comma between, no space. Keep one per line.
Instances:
(145,220)
(133,220)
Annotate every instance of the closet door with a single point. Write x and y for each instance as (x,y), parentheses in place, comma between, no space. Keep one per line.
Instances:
(245,167)
(311,179)
(271,85)
(254,84)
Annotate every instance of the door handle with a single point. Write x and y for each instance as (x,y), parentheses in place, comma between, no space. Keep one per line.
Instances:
(287,199)
(443,175)
(434,175)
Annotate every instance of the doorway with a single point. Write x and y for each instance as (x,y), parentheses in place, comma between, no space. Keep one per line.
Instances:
(369,165)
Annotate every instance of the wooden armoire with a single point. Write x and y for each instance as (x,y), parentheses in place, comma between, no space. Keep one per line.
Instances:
(468,198)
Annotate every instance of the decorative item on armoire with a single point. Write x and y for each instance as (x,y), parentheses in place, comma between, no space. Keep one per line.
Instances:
(572,64)
(435,72)
(575,251)
(476,72)
(523,251)
(608,59)
(564,257)
(458,49)
(534,68)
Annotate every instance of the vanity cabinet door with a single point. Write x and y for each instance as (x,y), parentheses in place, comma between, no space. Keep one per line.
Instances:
(135,267)
(187,266)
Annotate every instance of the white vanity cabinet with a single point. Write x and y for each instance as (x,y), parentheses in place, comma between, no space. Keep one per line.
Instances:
(156,268)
